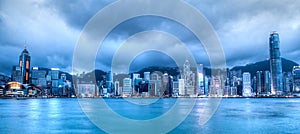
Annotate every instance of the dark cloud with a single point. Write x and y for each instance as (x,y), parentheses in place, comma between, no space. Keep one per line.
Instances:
(76,13)
(50,29)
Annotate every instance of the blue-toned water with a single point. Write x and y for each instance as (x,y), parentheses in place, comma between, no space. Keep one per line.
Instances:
(236,115)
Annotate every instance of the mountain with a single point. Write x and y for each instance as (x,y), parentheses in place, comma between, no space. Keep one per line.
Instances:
(170,70)
(287,66)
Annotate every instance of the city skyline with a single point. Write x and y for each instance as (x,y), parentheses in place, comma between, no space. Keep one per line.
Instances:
(51,41)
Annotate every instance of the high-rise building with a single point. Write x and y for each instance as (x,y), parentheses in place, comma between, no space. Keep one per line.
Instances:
(189,79)
(156,83)
(267,82)
(16,74)
(247,90)
(146,76)
(296,77)
(181,85)
(275,64)
(54,73)
(200,80)
(24,63)
(38,77)
(259,82)
(127,89)
(109,81)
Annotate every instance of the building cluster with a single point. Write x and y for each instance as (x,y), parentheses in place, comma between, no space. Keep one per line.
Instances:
(34,81)
(191,82)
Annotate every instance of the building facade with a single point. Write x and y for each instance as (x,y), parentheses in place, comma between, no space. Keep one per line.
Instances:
(275,64)
(24,63)
(247,90)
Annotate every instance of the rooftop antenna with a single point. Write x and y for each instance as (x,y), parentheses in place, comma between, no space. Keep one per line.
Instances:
(25,46)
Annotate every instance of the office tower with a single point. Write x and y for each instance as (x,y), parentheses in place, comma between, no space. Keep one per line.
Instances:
(24,62)
(267,82)
(16,74)
(247,90)
(181,85)
(156,83)
(109,81)
(275,64)
(134,76)
(189,78)
(200,80)
(146,76)
(258,82)
(147,81)
(206,85)
(117,88)
(296,77)
(38,77)
(127,90)
(54,73)
(254,84)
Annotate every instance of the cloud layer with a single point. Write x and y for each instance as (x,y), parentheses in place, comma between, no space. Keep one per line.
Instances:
(50,29)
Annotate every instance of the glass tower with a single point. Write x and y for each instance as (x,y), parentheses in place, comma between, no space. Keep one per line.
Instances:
(24,63)
(275,64)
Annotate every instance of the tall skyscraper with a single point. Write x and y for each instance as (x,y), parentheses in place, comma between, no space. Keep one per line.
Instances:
(24,63)
(296,77)
(275,64)
(267,82)
(109,81)
(200,80)
(247,90)
(189,78)
(259,82)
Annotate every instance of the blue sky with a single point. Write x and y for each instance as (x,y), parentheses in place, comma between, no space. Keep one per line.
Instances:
(51,28)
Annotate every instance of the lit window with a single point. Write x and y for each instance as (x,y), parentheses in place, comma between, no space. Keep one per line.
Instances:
(20,63)
(26,77)
(27,64)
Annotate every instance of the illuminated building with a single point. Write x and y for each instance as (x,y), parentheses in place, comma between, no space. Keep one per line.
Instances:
(147,80)
(15,89)
(267,82)
(127,90)
(275,64)
(86,90)
(166,83)
(247,90)
(16,74)
(176,88)
(156,84)
(117,88)
(258,82)
(146,76)
(38,77)
(24,63)
(109,81)
(54,73)
(200,80)
(189,79)
(296,77)
(181,88)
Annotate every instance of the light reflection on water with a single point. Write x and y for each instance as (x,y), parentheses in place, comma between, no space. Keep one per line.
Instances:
(233,116)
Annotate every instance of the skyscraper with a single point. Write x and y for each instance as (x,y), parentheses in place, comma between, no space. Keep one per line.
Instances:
(296,77)
(247,90)
(24,63)
(275,64)
(200,80)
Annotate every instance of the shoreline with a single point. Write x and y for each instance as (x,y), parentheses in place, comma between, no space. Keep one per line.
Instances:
(227,97)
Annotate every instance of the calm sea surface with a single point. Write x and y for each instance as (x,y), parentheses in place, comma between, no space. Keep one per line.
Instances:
(233,116)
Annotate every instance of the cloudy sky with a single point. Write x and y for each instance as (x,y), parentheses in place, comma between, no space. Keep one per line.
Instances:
(51,28)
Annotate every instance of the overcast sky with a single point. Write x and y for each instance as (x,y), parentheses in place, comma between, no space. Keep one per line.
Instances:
(50,29)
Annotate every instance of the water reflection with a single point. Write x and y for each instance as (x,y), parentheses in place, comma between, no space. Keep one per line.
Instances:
(233,116)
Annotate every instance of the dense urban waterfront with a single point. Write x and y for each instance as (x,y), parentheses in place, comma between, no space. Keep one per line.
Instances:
(234,115)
